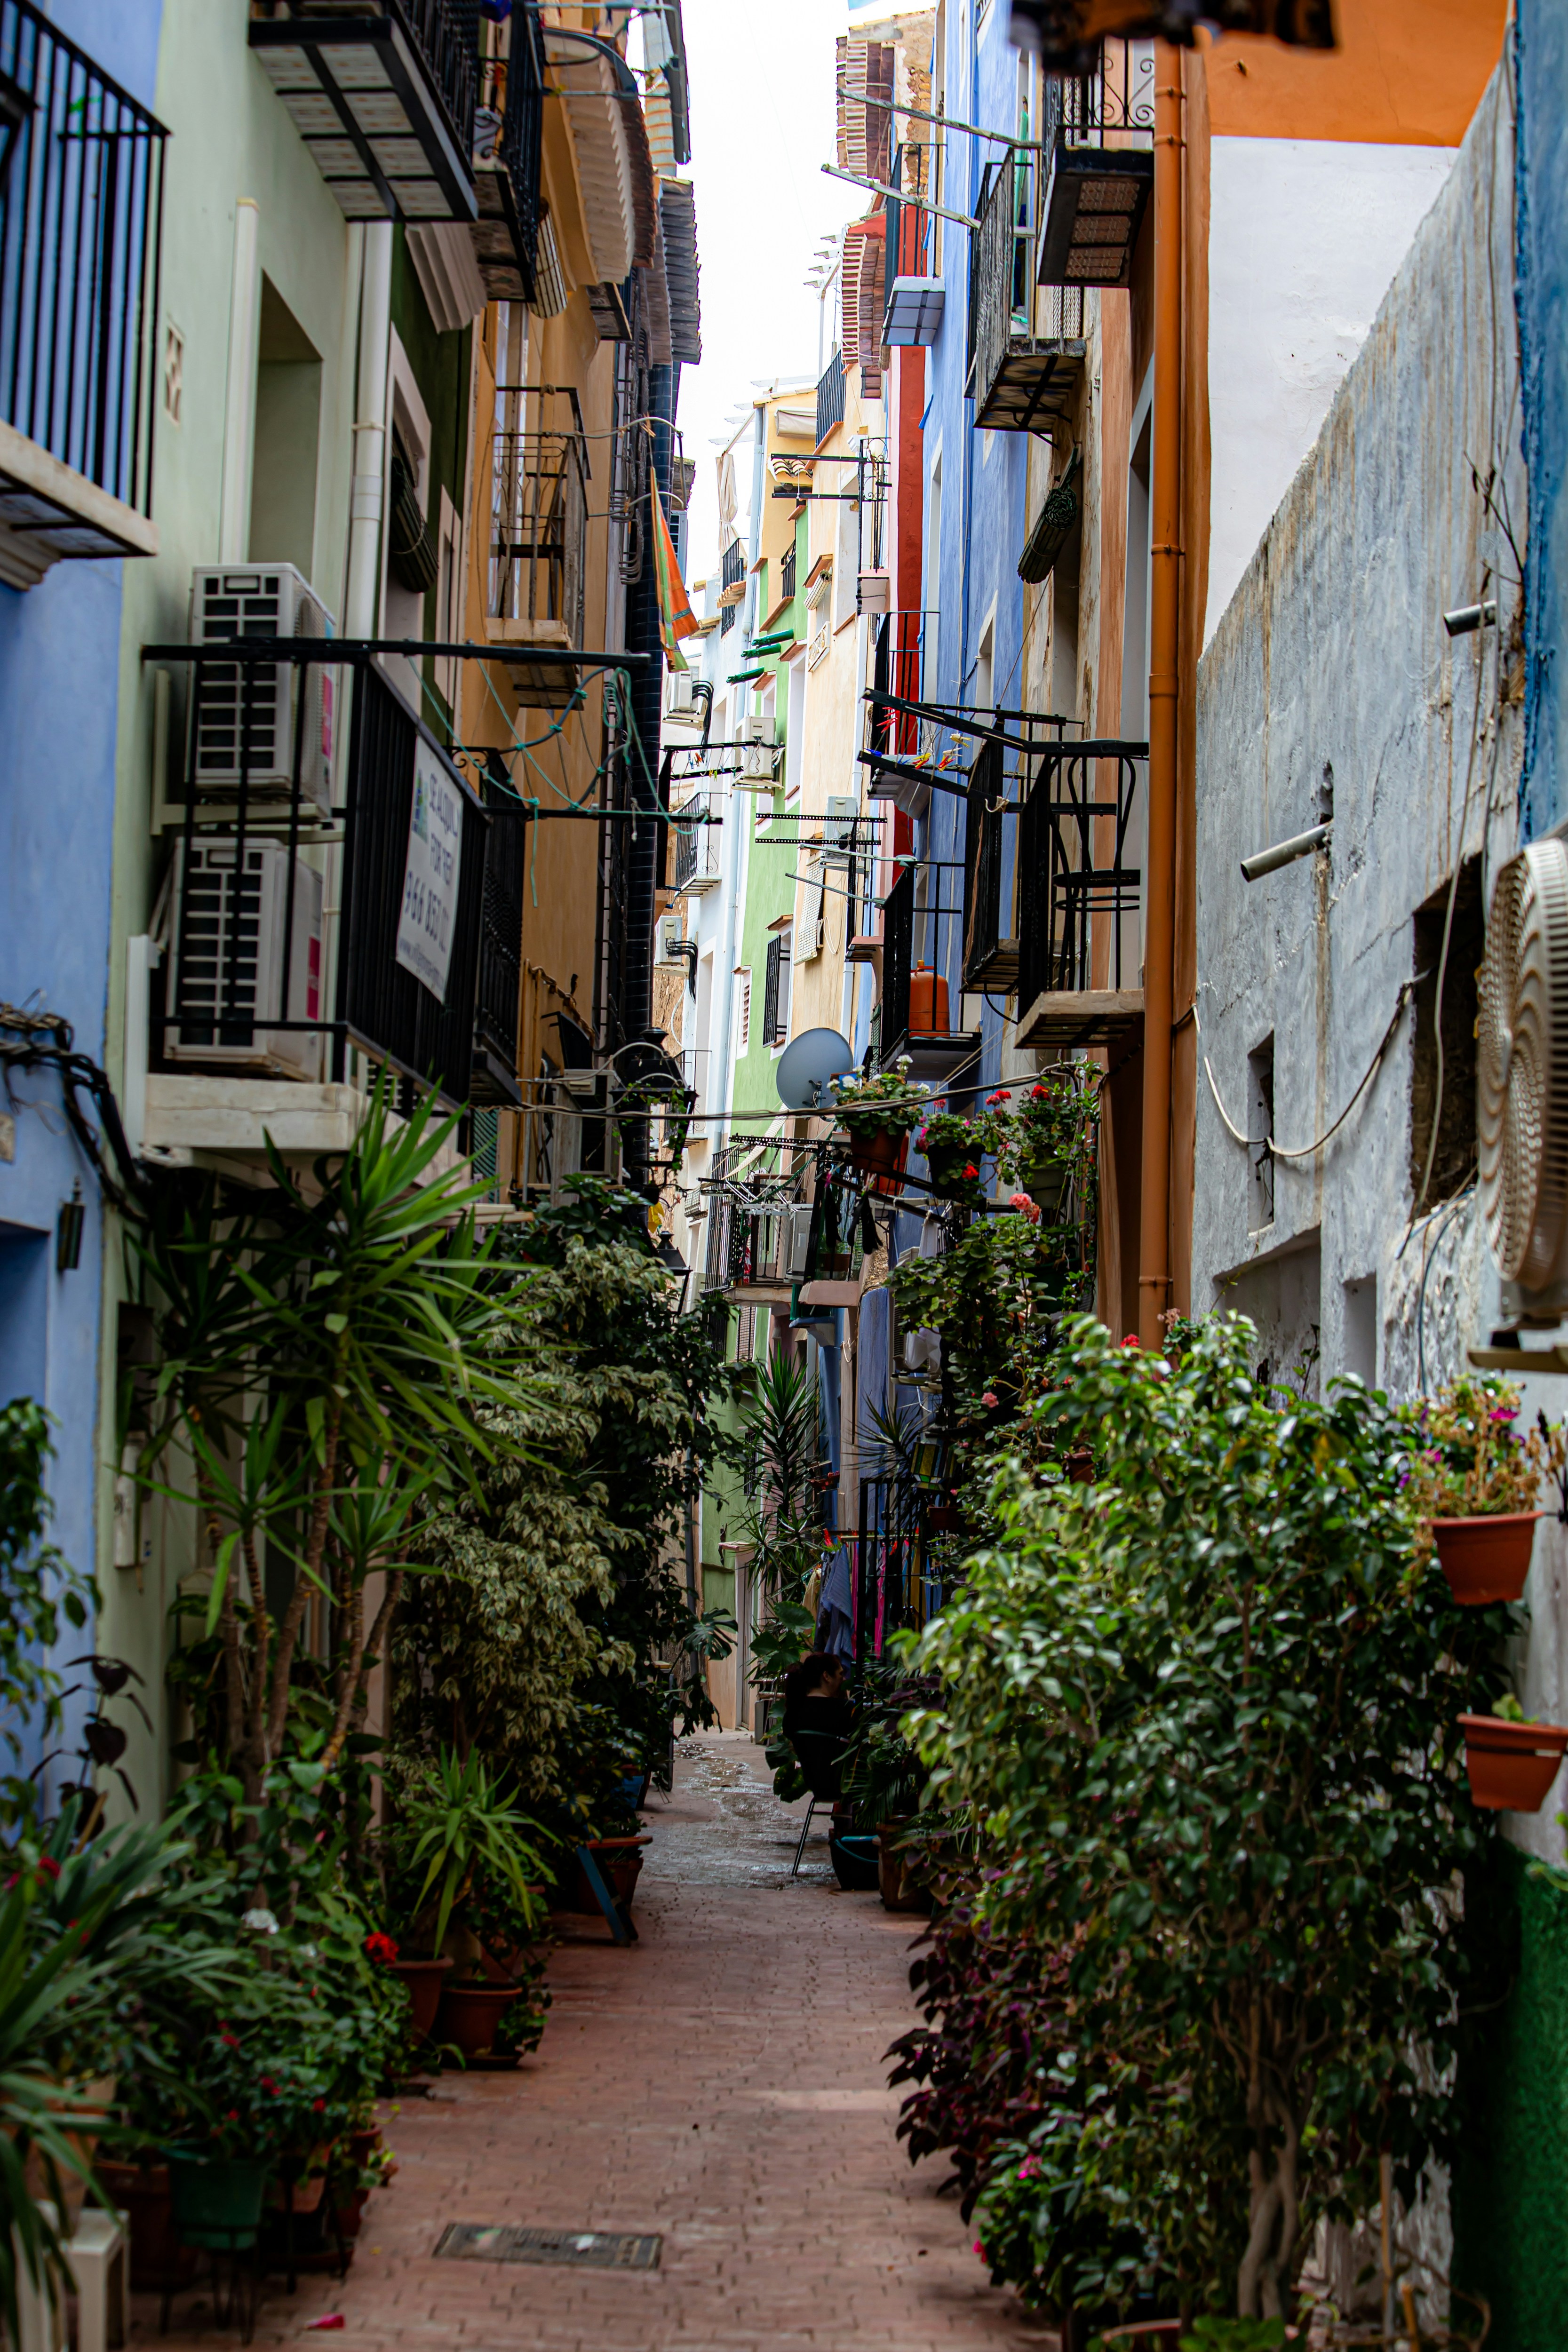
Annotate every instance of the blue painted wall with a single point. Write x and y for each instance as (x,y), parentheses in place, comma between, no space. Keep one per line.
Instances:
(1541,62)
(59,663)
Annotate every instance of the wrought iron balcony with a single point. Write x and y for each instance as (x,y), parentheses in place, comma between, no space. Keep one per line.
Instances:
(382,92)
(1100,137)
(1079,894)
(418,967)
(830,396)
(81,199)
(1001,762)
(922,918)
(753,1241)
(509,133)
(539,523)
(1021,381)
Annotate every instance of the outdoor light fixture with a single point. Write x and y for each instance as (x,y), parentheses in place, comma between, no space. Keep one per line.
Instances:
(1467,617)
(67,1231)
(915,306)
(1285,853)
(1093,210)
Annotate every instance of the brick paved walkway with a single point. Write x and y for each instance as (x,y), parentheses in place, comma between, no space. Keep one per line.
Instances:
(719,2082)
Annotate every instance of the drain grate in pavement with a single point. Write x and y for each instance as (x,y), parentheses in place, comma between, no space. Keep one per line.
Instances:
(594,2250)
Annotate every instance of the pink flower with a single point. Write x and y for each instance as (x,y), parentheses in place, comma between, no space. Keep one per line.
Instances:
(990,1399)
(1026,1207)
(980,2249)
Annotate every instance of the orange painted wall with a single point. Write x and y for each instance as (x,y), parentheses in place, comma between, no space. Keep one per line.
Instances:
(1407,73)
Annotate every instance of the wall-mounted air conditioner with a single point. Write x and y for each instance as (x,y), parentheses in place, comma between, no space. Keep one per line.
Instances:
(679,699)
(797,1241)
(838,821)
(672,940)
(759,752)
(246,719)
(231,932)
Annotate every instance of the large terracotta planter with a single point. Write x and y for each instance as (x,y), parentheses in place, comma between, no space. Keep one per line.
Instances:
(1488,1558)
(1511,1766)
(423,1979)
(620,1863)
(877,1154)
(469,2015)
(141,2191)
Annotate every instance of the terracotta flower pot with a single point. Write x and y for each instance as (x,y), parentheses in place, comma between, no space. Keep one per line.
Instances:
(877,1154)
(620,1863)
(423,1979)
(350,2216)
(1487,1559)
(142,2192)
(469,2014)
(1511,1766)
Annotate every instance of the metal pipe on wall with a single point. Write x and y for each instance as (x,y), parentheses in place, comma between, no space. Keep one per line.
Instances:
(1164,619)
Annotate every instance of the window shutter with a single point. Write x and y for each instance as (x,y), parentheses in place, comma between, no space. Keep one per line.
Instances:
(770,995)
(745,1007)
(781,1011)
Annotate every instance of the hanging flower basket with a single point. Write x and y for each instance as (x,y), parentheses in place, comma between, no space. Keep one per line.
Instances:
(877,1154)
(1511,1766)
(1485,1559)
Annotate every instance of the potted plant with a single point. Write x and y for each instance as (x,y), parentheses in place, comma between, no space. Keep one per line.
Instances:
(1510,1761)
(464,1861)
(1473,1479)
(956,1147)
(878,1116)
(1050,1132)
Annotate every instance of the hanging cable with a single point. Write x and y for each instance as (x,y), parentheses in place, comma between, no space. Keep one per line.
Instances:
(1308,1151)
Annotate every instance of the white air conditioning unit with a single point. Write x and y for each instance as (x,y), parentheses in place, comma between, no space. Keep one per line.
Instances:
(692,1201)
(838,823)
(231,930)
(1521,1082)
(759,752)
(246,719)
(678,700)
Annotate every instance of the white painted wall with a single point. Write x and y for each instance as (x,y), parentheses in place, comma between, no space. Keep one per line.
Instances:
(1305,236)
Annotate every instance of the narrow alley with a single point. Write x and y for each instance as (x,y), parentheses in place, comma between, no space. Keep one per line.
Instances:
(720,2085)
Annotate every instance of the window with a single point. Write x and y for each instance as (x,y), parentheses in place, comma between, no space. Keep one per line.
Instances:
(775,1000)
(1361,1329)
(744,1016)
(1260,1136)
(174,372)
(1454,1158)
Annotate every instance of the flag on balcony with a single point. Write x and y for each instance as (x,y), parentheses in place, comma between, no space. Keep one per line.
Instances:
(676,617)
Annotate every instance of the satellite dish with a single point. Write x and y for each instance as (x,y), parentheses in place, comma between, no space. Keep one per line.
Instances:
(806,1064)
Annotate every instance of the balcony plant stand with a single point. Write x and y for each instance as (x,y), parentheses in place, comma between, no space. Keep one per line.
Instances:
(1511,1766)
(216,2207)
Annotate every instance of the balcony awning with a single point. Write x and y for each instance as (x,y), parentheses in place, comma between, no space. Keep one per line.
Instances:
(677,209)
(1065,32)
(615,168)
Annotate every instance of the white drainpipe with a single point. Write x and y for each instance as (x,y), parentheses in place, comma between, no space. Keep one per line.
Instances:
(361,603)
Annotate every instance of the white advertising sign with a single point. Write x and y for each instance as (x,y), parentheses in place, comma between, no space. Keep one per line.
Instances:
(429,910)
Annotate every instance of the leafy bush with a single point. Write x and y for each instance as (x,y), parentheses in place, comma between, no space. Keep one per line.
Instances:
(1205,1713)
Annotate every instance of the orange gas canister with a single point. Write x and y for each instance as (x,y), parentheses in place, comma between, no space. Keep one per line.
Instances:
(928,1003)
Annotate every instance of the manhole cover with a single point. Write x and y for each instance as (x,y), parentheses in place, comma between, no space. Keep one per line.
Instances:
(594,2250)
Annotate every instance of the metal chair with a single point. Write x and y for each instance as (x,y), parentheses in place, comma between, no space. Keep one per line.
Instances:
(819,1754)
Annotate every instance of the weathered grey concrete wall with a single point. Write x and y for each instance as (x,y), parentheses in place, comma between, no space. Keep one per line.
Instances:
(1332,656)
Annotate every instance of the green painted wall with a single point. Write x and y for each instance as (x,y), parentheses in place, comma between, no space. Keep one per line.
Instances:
(1510,2179)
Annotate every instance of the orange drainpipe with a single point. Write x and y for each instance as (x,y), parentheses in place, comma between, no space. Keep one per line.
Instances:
(1164,606)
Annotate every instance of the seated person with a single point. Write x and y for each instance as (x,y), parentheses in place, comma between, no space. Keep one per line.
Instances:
(819,1719)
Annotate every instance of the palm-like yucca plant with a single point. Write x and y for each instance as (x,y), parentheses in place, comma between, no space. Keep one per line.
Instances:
(782,1439)
(460,1826)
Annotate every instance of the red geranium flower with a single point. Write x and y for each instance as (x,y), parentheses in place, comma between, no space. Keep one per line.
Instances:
(972,1169)
(380,1948)
(317,2106)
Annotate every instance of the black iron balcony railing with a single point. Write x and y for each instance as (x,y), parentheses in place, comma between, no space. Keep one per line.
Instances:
(383,93)
(81,198)
(896,1579)
(539,515)
(1078,889)
(417,967)
(922,918)
(830,396)
(509,134)
(1021,382)
(786,574)
(732,578)
(998,760)
(750,1236)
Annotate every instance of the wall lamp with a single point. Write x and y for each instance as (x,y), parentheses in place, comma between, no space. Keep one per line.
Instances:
(1465,617)
(1285,853)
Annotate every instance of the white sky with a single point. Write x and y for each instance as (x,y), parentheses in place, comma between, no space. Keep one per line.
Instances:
(762,127)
